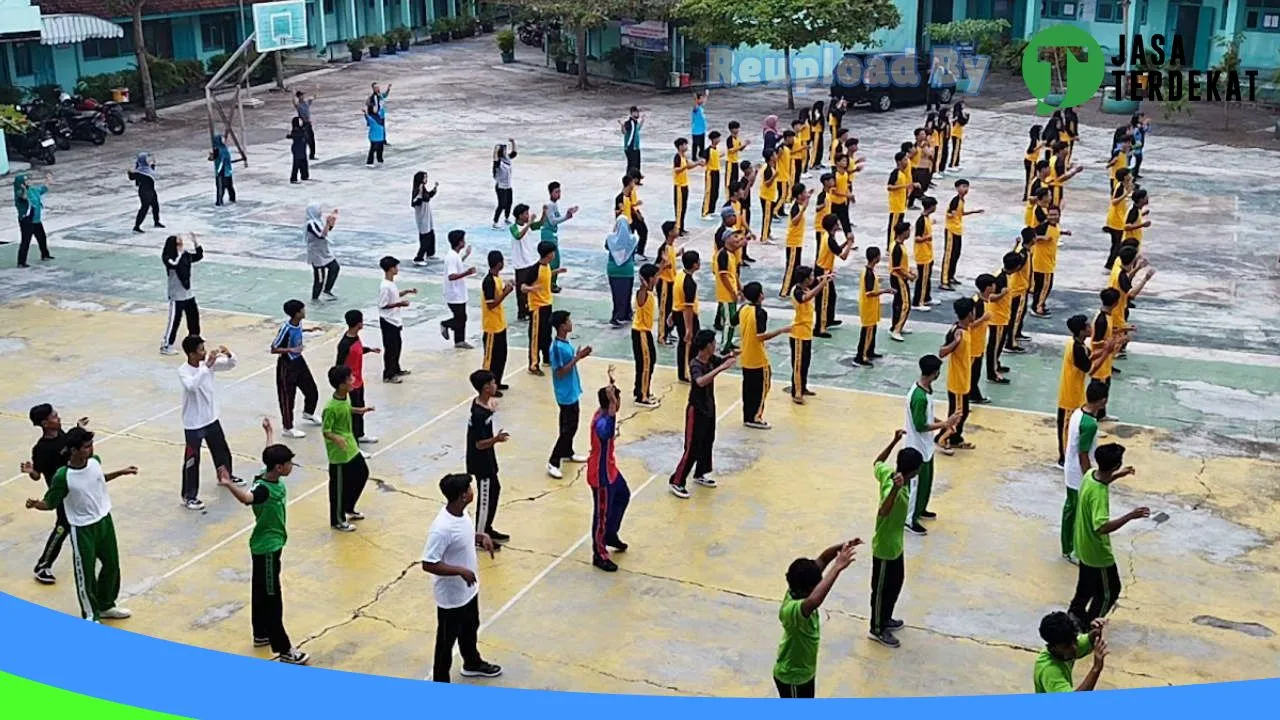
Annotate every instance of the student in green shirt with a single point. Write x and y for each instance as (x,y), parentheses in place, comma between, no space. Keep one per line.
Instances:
(887,568)
(807,586)
(1064,644)
(348,471)
(267,498)
(1098,583)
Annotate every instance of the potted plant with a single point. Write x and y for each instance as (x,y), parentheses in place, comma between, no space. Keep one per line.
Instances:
(560,54)
(356,47)
(507,46)
(436,30)
(403,38)
(390,44)
(375,43)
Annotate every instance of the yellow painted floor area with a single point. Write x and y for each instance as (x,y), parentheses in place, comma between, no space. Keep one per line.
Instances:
(694,608)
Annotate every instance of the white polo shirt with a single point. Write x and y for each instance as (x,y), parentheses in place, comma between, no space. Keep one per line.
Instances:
(389,294)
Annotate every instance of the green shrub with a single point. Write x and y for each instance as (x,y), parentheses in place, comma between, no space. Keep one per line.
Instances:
(976,31)
(13,120)
(10,95)
(377,41)
(217,61)
(659,71)
(506,41)
(98,87)
(191,71)
(356,44)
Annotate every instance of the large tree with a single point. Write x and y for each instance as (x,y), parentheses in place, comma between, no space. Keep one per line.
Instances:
(133,8)
(580,16)
(785,25)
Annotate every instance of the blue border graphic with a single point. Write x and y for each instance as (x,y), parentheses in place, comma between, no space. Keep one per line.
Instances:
(63,651)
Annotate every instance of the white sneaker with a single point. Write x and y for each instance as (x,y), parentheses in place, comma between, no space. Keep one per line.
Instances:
(497,226)
(311,419)
(896,337)
(367,439)
(165,350)
(294,433)
(554,471)
(193,504)
(705,481)
(922,308)
(366,454)
(115,613)
(578,458)
(906,331)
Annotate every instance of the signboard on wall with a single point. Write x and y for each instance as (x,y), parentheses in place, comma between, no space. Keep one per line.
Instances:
(650,35)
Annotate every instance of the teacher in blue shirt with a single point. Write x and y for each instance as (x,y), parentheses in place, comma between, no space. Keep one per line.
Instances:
(698,124)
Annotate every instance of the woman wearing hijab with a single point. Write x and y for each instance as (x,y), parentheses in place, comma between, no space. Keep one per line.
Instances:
(621,268)
(28,199)
(502,157)
(300,137)
(143,175)
(221,157)
(324,266)
(177,260)
(771,135)
(421,202)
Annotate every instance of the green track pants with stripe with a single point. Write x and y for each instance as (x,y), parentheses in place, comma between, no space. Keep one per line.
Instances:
(93,545)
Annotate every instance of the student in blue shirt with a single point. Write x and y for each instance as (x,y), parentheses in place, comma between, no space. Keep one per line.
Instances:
(377,135)
(292,373)
(221,157)
(28,198)
(698,123)
(568,388)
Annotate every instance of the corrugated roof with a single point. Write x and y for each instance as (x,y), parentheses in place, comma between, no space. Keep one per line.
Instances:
(98,8)
(62,29)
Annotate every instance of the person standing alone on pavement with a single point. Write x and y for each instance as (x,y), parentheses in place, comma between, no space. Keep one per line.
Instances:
(391,300)
(302,104)
(222,181)
(450,555)
(143,175)
(324,266)
(568,390)
(298,138)
(422,216)
(455,289)
(182,299)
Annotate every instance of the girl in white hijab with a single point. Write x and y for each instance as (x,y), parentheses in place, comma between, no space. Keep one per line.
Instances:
(621,268)
(324,266)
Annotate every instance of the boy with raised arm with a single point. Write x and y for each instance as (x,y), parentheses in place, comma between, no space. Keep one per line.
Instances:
(809,582)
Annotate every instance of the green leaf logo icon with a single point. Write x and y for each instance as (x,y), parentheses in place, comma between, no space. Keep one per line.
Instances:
(1079,78)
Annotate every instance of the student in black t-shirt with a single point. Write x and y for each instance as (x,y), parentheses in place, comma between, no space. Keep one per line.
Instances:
(700,414)
(482,461)
(48,456)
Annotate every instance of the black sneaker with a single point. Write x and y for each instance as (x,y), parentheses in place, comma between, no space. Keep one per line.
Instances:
(294,657)
(823,335)
(497,536)
(496,546)
(927,515)
(44,576)
(503,386)
(617,544)
(809,393)
(917,529)
(835,323)
(885,638)
(894,624)
(862,363)
(488,670)
(605,564)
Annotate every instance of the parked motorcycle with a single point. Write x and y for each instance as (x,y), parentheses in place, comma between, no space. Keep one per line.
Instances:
(87,126)
(110,111)
(34,144)
(43,115)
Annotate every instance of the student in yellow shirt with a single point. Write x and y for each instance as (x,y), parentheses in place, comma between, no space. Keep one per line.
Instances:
(757,374)
(1080,361)
(835,126)
(900,183)
(711,177)
(869,293)
(1136,220)
(953,235)
(769,194)
(938,129)
(986,286)
(817,134)
(959,118)
(806,289)
(680,181)
(1019,286)
(728,294)
(795,237)
(921,166)
(1044,263)
(800,150)
(1106,340)
(643,322)
(955,350)
(922,249)
(822,206)
(539,292)
(1119,161)
(684,313)
(900,277)
(998,322)
(1035,148)
(493,319)
(788,150)
(668,262)
(734,144)
(1117,211)
(829,249)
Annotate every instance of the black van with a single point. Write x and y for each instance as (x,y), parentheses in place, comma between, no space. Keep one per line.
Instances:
(886,80)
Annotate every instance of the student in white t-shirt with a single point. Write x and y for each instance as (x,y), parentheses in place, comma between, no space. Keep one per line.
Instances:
(1078,457)
(200,415)
(450,555)
(390,299)
(80,489)
(455,289)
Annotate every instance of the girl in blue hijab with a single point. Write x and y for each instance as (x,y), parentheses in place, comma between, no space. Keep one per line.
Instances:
(28,198)
(143,175)
(221,157)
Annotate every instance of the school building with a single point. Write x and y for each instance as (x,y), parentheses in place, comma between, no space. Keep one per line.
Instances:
(75,38)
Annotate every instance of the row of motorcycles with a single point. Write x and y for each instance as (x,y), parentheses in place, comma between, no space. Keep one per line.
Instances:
(51,128)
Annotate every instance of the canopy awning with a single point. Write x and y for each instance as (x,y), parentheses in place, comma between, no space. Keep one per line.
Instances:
(69,28)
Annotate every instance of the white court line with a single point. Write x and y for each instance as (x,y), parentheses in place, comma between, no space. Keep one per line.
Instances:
(320,486)
(98,440)
(570,551)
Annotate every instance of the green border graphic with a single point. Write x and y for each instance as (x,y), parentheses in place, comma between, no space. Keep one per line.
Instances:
(23,699)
